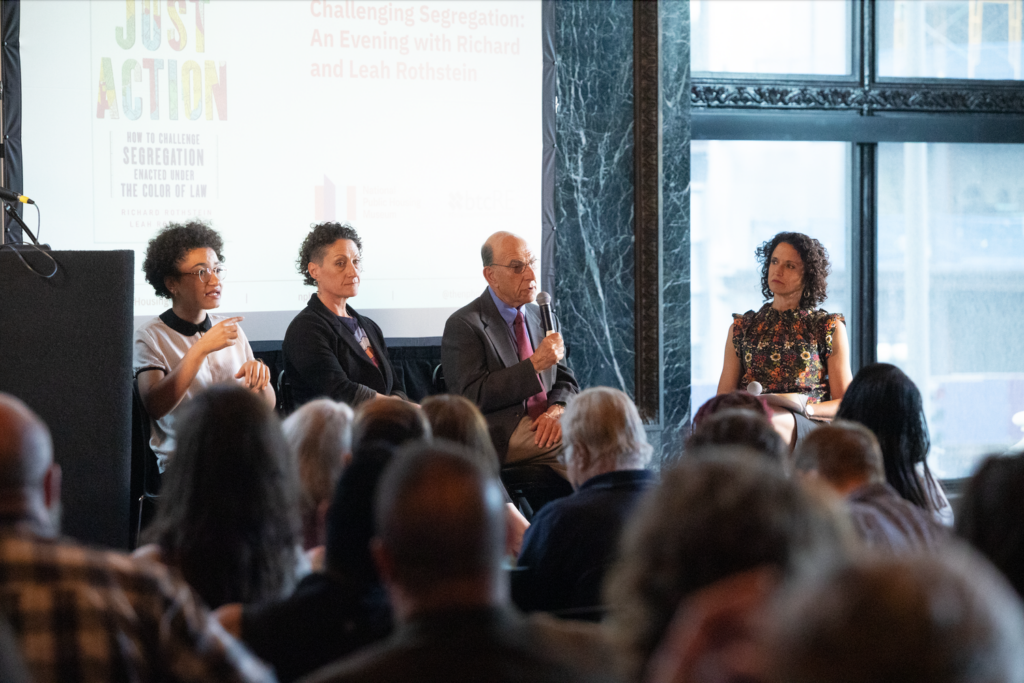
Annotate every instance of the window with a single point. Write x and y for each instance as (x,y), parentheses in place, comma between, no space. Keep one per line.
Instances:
(742,194)
(771,36)
(950,39)
(904,153)
(951,290)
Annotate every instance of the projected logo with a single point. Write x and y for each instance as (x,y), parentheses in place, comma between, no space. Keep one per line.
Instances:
(325,206)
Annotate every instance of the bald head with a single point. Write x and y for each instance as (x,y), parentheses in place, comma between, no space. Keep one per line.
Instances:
(495,244)
(503,255)
(440,518)
(26,451)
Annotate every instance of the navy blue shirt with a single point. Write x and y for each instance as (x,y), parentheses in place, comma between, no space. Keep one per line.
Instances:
(572,541)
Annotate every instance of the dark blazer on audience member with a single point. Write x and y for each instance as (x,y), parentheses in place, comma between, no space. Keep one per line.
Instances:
(572,541)
(481,362)
(325,619)
(323,359)
(491,644)
(887,522)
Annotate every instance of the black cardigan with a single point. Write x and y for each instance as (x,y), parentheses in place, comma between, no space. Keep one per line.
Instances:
(322,358)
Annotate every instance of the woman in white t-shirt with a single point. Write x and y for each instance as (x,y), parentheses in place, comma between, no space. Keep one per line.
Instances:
(185,349)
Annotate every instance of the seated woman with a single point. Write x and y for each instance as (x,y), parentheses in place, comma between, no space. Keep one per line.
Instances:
(457,419)
(790,346)
(886,401)
(185,348)
(330,350)
(228,512)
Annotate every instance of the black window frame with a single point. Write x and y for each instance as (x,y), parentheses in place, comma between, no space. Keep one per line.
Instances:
(862,109)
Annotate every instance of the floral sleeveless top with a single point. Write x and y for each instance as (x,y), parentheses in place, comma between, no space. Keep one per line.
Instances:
(786,351)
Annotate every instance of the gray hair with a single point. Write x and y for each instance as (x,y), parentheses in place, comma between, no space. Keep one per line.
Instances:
(606,421)
(319,435)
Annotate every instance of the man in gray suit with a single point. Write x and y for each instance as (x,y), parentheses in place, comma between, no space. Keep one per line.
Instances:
(495,353)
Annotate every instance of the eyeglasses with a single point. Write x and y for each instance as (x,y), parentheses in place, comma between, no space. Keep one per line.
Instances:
(518,267)
(204,273)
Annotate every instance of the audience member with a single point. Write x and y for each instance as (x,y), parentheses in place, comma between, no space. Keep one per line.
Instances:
(846,458)
(390,422)
(709,520)
(886,401)
(332,613)
(782,420)
(939,618)
(227,515)
(320,436)
(739,427)
(739,399)
(87,616)
(573,540)
(185,349)
(991,515)
(349,594)
(456,418)
(439,549)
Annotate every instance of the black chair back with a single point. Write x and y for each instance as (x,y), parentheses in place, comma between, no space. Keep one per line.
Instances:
(145,474)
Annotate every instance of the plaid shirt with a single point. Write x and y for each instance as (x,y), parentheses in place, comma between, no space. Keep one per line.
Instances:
(85,616)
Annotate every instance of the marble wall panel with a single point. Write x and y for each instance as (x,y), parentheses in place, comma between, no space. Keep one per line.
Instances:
(594,188)
(595,284)
(675,237)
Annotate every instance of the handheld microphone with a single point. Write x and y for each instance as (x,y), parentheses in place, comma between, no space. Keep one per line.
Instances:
(544,301)
(755,388)
(11,196)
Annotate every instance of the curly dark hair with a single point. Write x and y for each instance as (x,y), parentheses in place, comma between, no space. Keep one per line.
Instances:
(169,247)
(816,266)
(322,236)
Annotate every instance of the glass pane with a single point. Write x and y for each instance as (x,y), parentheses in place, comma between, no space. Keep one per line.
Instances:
(951,291)
(770,36)
(950,38)
(743,193)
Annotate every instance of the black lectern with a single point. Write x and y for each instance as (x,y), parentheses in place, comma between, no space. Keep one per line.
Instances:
(65,349)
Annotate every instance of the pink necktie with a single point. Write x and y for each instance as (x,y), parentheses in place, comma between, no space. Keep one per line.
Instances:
(538,403)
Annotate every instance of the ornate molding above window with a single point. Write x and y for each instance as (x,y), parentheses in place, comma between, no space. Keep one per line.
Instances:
(978,98)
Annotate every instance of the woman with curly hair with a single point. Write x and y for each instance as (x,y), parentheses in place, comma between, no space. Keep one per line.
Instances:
(329,349)
(790,346)
(185,349)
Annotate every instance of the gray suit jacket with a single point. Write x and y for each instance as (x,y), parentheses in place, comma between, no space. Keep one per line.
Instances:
(481,363)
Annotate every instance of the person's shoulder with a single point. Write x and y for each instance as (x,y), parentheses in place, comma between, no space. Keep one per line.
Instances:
(70,562)
(820,314)
(304,320)
(584,646)
(472,308)
(743,320)
(379,662)
(152,328)
(469,314)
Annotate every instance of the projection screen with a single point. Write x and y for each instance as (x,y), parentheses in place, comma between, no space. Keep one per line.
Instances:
(420,123)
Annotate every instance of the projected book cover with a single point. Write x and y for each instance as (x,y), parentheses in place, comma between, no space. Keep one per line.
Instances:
(418,122)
